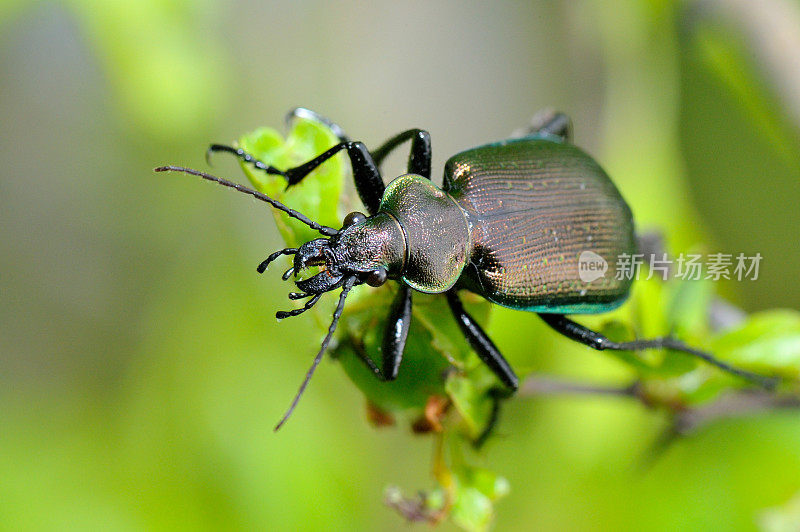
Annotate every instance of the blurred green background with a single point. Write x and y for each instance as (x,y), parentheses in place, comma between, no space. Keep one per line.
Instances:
(141,367)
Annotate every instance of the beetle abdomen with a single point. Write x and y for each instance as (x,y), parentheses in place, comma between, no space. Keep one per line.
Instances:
(547,226)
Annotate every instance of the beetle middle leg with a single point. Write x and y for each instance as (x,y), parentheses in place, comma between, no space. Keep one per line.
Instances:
(595,340)
(420,156)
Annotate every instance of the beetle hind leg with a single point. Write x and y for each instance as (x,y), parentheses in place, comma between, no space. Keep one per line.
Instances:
(481,343)
(595,340)
(551,122)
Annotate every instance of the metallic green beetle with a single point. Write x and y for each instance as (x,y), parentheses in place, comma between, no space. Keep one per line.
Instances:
(515,222)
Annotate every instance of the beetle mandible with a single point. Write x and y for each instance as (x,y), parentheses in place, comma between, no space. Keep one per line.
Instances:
(509,223)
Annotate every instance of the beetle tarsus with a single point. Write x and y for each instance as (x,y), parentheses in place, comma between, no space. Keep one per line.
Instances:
(243,155)
(595,340)
(668,342)
(497,396)
(370,364)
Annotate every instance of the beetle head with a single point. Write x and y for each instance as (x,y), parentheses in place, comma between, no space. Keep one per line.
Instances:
(367,249)
(316,254)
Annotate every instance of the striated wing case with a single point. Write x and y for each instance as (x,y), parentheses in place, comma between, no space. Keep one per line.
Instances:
(547,226)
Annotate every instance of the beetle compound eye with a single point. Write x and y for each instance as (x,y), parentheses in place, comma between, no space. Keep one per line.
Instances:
(376,277)
(353,218)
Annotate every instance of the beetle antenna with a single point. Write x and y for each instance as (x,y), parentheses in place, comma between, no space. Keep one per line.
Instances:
(325,230)
(348,284)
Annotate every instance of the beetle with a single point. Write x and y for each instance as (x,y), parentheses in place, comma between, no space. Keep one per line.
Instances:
(509,223)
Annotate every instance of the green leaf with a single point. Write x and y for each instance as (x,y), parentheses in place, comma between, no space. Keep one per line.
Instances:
(471,400)
(785,518)
(476,490)
(318,195)
(472,509)
(767,342)
(687,308)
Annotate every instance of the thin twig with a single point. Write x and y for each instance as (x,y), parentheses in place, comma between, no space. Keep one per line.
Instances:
(731,405)
(536,386)
(684,420)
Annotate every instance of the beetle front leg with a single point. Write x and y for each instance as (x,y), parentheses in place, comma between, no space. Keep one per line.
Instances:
(481,343)
(368,180)
(595,340)
(395,335)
